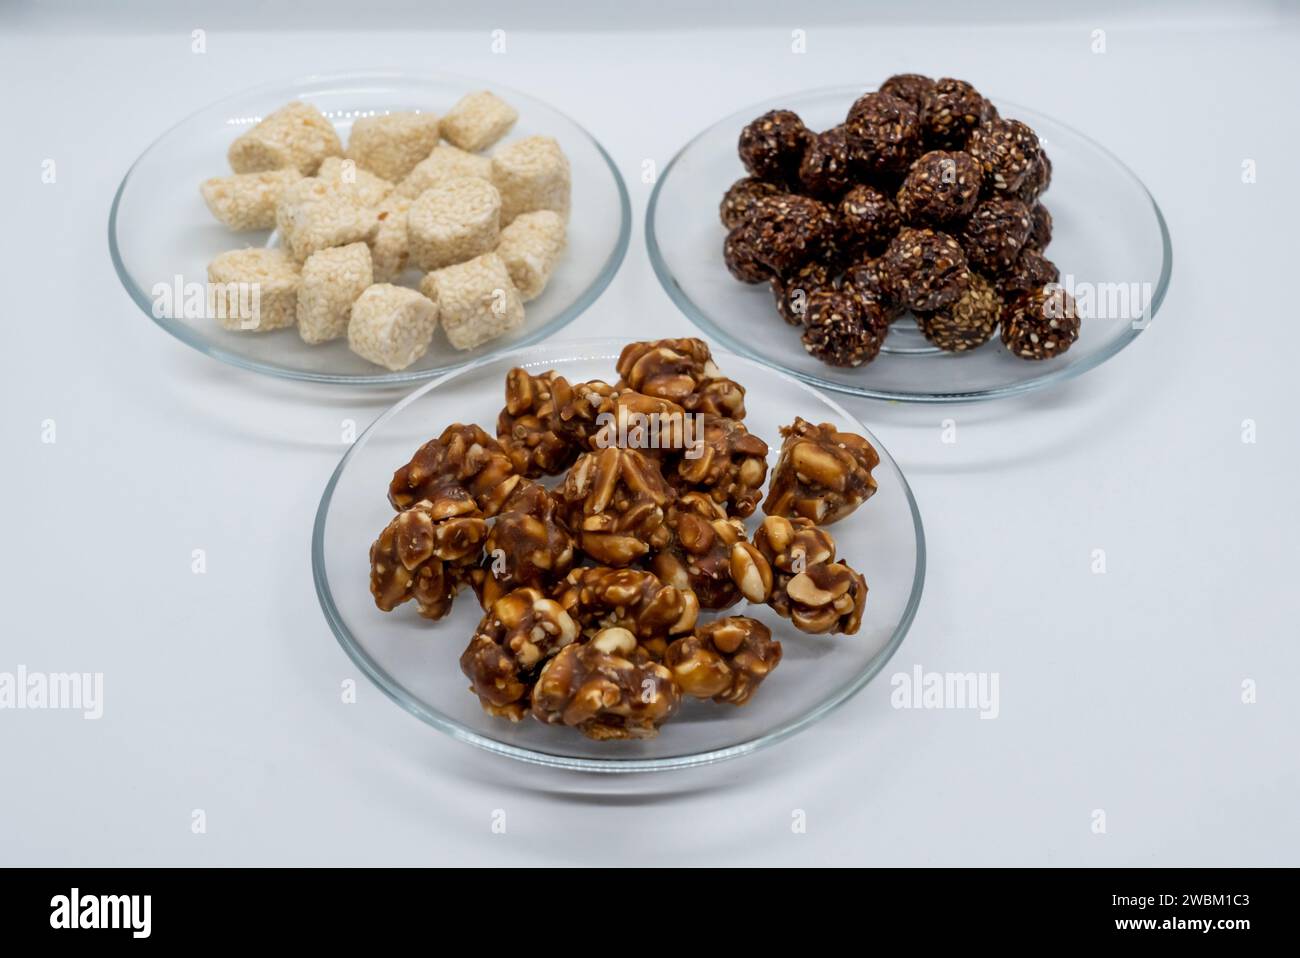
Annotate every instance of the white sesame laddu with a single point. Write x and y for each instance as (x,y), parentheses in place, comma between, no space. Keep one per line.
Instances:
(295,135)
(350,179)
(392,325)
(477,301)
(332,279)
(478,120)
(445,163)
(531,174)
(390,146)
(389,246)
(453,222)
(314,215)
(530,247)
(247,201)
(253,290)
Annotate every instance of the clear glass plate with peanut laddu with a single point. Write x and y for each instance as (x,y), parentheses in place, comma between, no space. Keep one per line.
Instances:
(618,556)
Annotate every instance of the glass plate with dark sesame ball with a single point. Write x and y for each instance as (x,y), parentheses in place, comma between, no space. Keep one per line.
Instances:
(1068,250)
(421,652)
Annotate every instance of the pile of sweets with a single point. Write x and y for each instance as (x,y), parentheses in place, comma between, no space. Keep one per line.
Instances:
(923,199)
(412,190)
(593,587)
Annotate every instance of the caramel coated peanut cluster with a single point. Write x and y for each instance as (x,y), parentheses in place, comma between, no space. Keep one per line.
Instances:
(462,470)
(423,556)
(599,597)
(527,545)
(707,553)
(607,688)
(725,660)
(519,631)
(526,426)
(614,501)
(682,371)
(823,598)
(791,545)
(812,590)
(822,474)
(730,464)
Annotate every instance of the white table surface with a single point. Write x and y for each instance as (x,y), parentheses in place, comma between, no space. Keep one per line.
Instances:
(1120,692)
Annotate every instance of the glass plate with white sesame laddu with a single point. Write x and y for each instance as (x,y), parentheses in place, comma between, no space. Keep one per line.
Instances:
(893,243)
(619,556)
(369,228)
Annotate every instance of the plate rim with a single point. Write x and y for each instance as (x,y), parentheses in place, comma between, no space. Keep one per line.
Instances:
(702,321)
(197,341)
(398,694)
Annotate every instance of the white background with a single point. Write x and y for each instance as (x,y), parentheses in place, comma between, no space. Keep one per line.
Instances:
(1120,691)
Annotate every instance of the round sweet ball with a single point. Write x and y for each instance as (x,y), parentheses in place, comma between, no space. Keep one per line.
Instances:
(835,252)
(941,187)
(1032,270)
(739,200)
(1040,324)
(790,230)
(911,87)
(837,331)
(1006,150)
(772,145)
(740,253)
(884,133)
(824,170)
(1041,233)
(925,269)
(967,323)
(866,281)
(995,234)
(792,290)
(952,109)
(1037,180)
(866,218)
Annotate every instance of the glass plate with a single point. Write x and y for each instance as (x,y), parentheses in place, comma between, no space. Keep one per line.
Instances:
(159,228)
(416,662)
(1110,243)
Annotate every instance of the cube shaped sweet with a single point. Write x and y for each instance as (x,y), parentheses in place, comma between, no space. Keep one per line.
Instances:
(247,201)
(253,290)
(477,301)
(392,326)
(346,176)
(453,222)
(389,246)
(478,120)
(314,215)
(444,163)
(390,146)
(296,135)
(332,280)
(530,247)
(531,174)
